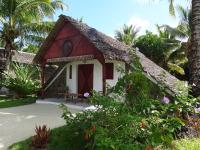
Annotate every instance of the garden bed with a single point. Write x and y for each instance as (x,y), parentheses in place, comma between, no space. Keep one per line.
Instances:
(61,139)
(6,102)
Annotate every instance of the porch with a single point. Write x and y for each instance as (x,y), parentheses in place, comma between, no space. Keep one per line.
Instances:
(78,75)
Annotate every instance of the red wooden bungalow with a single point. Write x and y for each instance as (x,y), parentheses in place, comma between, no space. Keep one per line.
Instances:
(84,58)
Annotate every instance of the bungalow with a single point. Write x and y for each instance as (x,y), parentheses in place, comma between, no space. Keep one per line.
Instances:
(78,58)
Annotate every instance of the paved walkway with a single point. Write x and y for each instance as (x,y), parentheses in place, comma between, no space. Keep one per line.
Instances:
(18,123)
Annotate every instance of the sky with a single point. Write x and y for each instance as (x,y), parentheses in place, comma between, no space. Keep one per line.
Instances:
(108,16)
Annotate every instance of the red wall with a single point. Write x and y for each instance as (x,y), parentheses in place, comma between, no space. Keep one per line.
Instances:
(81,46)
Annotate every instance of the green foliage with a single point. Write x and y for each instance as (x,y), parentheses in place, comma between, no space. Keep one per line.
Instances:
(6,102)
(137,122)
(153,47)
(127,34)
(138,85)
(114,126)
(22,21)
(22,80)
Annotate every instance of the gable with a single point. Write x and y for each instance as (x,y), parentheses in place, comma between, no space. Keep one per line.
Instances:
(80,44)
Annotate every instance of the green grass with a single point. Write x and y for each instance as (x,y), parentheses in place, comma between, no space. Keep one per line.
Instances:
(63,139)
(183,144)
(187,144)
(6,102)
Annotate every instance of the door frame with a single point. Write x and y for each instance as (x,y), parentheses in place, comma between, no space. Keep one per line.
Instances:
(78,75)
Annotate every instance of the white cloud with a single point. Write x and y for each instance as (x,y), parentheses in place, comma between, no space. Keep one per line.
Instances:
(140,23)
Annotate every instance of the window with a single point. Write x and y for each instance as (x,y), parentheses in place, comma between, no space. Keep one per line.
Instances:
(70,72)
(109,70)
(67,48)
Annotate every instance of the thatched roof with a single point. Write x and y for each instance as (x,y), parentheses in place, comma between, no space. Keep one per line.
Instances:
(159,75)
(109,47)
(22,57)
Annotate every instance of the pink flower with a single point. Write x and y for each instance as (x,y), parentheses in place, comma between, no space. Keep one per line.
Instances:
(197,110)
(86,94)
(165,100)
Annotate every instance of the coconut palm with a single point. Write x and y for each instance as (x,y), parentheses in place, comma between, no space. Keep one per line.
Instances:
(174,58)
(194,53)
(177,58)
(127,34)
(21,21)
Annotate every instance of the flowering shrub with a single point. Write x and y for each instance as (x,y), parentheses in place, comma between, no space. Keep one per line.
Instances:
(115,126)
(139,122)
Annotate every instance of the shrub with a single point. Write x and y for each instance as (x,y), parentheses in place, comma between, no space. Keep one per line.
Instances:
(138,122)
(153,47)
(115,126)
(40,140)
(22,80)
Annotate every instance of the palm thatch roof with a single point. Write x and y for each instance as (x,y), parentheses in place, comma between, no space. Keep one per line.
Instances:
(159,75)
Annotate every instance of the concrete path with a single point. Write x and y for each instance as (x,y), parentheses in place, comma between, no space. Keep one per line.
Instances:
(18,123)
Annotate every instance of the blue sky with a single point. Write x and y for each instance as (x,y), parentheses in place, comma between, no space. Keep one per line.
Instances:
(109,15)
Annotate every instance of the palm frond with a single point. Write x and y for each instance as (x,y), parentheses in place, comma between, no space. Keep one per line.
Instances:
(176,68)
(127,34)
(171,8)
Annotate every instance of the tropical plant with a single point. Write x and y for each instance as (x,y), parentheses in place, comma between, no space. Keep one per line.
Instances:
(175,57)
(194,53)
(127,34)
(155,48)
(22,21)
(22,79)
(40,140)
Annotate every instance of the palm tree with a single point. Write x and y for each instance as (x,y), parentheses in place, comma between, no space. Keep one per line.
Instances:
(21,21)
(177,58)
(194,56)
(127,34)
(174,58)
(194,53)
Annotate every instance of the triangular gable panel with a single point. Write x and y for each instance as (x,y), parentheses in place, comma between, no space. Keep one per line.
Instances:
(81,45)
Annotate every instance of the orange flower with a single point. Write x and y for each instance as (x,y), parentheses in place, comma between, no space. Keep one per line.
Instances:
(142,125)
(86,137)
(93,128)
(148,147)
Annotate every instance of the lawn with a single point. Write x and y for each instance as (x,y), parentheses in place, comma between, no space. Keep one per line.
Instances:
(60,140)
(6,102)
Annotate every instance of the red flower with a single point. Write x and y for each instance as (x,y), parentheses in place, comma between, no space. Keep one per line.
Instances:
(148,147)
(86,137)
(142,125)
(93,128)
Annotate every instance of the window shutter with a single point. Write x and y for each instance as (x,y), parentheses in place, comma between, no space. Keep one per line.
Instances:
(109,70)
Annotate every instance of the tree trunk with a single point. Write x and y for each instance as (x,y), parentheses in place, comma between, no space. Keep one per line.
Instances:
(194,55)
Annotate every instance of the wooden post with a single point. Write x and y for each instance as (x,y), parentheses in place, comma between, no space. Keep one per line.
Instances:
(42,67)
(104,78)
